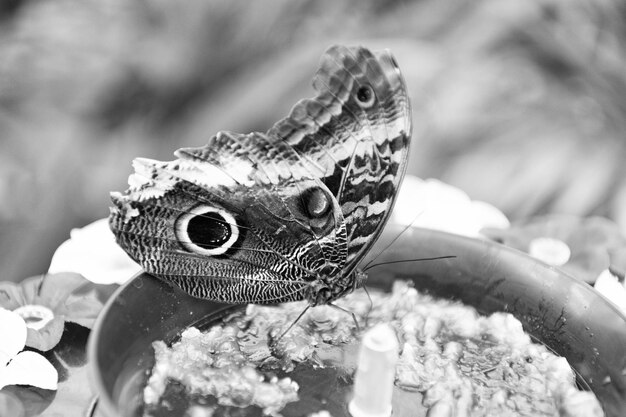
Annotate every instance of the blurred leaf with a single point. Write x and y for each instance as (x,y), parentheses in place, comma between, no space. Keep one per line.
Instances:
(72,349)
(11,296)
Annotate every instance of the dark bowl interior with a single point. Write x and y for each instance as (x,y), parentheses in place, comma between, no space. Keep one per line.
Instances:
(563,313)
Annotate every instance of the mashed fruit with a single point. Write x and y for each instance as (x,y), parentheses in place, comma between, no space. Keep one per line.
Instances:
(457,362)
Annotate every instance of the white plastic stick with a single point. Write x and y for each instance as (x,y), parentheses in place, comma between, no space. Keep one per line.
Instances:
(373,385)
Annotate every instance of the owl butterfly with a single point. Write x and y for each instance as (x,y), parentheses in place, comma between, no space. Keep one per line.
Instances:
(284,215)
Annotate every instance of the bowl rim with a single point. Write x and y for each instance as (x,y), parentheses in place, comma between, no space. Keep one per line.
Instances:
(93,371)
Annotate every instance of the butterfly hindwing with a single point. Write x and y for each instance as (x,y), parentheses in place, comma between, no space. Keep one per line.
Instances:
(224,233)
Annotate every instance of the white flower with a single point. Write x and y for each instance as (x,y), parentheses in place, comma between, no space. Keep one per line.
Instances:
(608,285)
(433,204)
(17,367)
(93,253)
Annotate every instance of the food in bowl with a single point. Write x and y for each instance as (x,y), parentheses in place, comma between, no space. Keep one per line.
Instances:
(453,361)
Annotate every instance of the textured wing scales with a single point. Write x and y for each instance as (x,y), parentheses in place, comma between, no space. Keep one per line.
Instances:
(332,142)
(362,150)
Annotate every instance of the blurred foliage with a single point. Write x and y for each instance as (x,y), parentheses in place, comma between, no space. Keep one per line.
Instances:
(521,104)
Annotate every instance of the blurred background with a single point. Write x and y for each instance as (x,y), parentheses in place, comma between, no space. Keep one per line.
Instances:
(519,103)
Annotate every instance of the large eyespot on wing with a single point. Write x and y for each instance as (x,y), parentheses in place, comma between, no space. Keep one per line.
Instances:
(302,222)
(207,230)
(316,202)
(365,96)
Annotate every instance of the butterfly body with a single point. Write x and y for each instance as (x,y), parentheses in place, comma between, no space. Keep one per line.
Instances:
(284,215)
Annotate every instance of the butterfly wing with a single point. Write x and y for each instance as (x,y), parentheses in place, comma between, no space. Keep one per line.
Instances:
(229,222)
(279,216)
(355,137)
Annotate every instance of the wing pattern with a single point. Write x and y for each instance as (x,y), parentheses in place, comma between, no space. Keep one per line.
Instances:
(282,215)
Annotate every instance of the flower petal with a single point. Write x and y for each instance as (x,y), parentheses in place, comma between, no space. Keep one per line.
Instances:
(47,337)
(29,368)
(83,310)
(36,316)
(56,288)
(30,289)
(35,400)
(609,286)
(11,295)
(93,252)
(617,257)
(489,216)
(436,205)
(12,335)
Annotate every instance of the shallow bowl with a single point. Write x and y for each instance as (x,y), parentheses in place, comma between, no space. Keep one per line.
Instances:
(565,314)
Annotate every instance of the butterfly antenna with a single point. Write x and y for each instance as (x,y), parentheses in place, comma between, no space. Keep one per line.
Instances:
(291,325)
(393,241)
(435,258)
(356,323)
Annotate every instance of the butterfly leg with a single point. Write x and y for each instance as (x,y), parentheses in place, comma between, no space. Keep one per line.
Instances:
(274,342)
(371,306)
(356,323)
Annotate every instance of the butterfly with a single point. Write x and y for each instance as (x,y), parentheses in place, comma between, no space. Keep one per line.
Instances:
(283,215)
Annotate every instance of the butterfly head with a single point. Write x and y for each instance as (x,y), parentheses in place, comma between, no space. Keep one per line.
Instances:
(331,285)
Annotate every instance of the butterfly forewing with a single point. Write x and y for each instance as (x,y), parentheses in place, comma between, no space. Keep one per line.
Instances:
(360,141)
(283,215)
